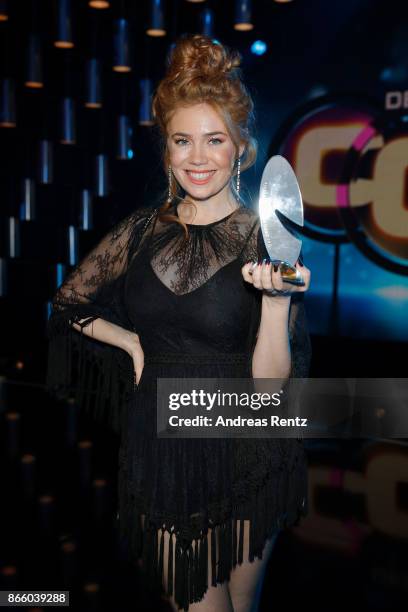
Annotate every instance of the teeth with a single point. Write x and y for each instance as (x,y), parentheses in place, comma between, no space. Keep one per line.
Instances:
(199,175)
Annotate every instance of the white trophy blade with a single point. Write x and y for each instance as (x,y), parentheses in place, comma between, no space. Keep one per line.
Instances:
(280,191)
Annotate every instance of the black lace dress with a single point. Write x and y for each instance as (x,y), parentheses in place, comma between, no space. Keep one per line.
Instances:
(196,317)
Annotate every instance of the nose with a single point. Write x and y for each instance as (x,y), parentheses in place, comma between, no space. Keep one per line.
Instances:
(198,156)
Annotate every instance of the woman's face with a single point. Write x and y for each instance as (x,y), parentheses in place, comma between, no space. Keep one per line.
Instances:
(202,154)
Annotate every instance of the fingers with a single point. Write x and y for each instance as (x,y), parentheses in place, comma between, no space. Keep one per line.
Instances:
(138,366)
(257,276)
(265,275)
(269,275)
(246,272)
(277,281)
(137,375)
(306,275)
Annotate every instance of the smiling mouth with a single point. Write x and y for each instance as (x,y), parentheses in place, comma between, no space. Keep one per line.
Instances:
(200,176)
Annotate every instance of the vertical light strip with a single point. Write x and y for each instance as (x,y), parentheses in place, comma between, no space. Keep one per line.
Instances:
(7,103)
(68,126)
(145,88)
(93,84)
(124,140)
(207,22)
(243,15)
(64,38)
(13,237)
(156,27)
(34,69)
(121,54)
(27,204)
(86,216)
(72,245)
(60,274)
(3,10)
(101,180)
(45,162)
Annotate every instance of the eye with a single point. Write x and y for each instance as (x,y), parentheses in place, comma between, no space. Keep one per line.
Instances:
(184,140)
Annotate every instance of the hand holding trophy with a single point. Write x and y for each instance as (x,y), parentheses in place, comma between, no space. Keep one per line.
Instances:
(281,271)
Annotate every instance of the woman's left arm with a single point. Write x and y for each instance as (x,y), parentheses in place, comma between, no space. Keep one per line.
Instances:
(271,357)
(280,320)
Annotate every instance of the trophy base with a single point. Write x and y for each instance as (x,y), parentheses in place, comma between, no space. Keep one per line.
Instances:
(289,273)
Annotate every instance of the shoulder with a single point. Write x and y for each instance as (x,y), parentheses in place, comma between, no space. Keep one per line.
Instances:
(138,223)
(136,218)
(130,226)
(142,213)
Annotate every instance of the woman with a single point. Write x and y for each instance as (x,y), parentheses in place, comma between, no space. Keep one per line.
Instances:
(173,292)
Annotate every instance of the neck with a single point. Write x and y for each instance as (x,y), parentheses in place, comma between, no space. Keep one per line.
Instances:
(206,211)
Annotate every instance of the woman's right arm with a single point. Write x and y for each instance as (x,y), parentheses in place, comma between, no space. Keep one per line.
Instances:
(113,334)
(108,332)
(93,366)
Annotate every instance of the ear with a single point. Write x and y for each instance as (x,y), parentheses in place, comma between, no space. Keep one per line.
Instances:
(241,149)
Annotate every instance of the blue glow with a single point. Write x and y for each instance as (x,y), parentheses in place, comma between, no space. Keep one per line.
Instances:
(386,74)
(259,47)
(130,154)
(372,301)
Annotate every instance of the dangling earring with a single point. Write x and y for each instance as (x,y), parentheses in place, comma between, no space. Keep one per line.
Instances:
(238,175)
(169,198)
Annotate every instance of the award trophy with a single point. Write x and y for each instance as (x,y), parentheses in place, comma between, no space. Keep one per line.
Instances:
(280,213)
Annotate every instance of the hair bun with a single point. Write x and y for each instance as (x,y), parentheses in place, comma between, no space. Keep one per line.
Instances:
(199,55)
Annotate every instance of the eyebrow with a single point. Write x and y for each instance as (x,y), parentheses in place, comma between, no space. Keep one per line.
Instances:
(207,134)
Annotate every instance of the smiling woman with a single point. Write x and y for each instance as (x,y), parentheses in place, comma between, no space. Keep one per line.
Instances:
(204,114)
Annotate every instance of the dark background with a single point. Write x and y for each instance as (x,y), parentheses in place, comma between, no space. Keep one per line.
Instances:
(354,540)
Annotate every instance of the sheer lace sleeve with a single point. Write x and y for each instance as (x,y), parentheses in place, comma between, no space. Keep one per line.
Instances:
(98,376)
(300,344)
(299,338)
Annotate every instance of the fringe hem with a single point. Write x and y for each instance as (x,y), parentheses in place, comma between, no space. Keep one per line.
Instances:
(279,504)
(99,377)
